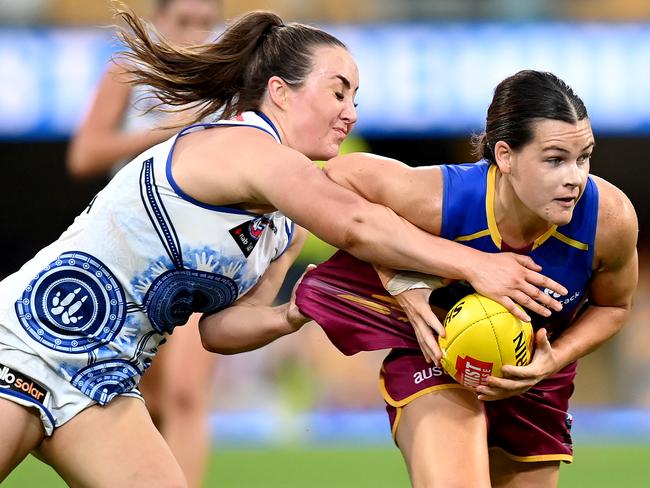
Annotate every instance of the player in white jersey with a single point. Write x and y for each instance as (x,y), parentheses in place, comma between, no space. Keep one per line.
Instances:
(122,121)
(199,224)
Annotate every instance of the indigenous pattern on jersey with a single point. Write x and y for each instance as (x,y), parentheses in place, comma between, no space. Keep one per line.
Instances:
(346,298)
(137,262)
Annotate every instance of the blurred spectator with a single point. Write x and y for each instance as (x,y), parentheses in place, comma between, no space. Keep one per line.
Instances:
(178,386)
(68,11)
(23,12)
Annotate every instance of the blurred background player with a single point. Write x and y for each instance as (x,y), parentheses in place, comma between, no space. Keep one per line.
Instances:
(122,121)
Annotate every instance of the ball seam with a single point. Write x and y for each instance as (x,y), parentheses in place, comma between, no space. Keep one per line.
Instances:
(494,332)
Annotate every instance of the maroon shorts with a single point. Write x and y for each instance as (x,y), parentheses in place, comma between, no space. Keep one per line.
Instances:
(345,297)
(534,426)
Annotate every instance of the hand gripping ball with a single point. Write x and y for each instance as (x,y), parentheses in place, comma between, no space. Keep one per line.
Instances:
(481,337)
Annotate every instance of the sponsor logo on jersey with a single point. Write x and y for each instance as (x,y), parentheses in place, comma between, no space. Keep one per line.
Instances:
(558,297)
(550,292)
(20,383)
(247,234)
(472,372)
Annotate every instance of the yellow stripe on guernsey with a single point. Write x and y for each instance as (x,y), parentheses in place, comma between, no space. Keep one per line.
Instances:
(493,229)
(475,235)
(571,242)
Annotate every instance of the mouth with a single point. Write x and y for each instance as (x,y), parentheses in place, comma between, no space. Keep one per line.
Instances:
(341,132)
(566,201)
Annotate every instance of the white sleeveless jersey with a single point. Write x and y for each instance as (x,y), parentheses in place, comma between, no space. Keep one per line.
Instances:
(142,257)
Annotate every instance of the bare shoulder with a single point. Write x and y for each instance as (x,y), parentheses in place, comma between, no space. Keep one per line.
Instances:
(373,163)
(618,226)
(414,193)
(117,77)
(226,165)
(248,149)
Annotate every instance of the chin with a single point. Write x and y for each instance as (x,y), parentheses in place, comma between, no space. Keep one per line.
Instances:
(561,220)
(326,154)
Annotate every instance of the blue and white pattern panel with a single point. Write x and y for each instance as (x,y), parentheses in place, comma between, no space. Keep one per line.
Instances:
(74,305)
(103,380)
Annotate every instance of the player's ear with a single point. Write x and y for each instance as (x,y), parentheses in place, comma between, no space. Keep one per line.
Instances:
(277,89)
(503,156)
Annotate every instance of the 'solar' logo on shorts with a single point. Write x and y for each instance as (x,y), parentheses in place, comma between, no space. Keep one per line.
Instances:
(18,382)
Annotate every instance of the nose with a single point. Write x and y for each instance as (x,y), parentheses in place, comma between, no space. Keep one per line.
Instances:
(349,114)
(575,174)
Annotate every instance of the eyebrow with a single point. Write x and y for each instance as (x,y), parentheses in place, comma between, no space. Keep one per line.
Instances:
(561,149)
(346,82)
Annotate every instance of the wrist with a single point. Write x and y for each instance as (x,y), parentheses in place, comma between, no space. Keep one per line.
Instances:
(406,281)
(470,265)
(293,318)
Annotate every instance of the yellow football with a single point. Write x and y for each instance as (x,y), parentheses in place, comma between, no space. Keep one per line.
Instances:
(481,337)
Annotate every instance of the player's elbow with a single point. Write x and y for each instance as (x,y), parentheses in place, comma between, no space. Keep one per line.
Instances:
(219,348)
(215,346)
(85,160)
(337,169)
(358,230)
(213,340)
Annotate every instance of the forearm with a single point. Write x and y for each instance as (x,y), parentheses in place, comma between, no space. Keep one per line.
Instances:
(594,327)
(385,238)
(94,155)
(244,327)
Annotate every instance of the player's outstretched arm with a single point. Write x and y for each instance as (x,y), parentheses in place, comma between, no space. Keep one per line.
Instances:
(416,195)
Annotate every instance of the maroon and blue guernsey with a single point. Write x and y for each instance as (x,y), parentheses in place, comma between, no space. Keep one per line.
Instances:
(346,298)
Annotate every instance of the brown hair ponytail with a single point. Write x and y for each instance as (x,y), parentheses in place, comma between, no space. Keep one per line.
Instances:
(229,75)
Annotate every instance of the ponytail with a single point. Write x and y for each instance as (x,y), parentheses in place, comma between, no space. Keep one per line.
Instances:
(227,76)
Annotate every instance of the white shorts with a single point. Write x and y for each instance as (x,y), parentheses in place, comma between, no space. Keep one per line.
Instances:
(27,380)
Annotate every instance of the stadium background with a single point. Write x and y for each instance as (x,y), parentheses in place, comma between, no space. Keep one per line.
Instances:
(297,413)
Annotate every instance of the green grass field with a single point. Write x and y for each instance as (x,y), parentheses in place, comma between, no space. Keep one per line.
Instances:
(594,467)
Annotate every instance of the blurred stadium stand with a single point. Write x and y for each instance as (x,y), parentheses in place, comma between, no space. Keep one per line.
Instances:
(425,87)
(68,12)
